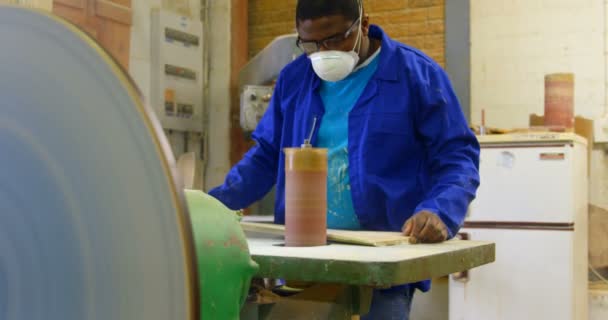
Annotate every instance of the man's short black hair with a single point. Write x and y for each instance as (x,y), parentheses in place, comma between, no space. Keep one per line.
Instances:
(313,9)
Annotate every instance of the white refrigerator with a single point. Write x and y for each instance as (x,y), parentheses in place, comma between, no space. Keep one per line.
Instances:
(532,202)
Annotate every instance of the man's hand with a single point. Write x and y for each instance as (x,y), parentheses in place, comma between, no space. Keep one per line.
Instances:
(425,227)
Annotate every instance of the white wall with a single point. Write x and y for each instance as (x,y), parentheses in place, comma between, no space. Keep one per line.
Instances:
(218,98)
(515,43)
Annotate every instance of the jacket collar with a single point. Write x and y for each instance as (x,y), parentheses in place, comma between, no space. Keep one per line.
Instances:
(387,65)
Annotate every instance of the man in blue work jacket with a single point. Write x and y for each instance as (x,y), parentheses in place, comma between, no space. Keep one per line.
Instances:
(401,156)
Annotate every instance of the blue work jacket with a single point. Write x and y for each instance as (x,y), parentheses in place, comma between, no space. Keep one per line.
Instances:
(409,145)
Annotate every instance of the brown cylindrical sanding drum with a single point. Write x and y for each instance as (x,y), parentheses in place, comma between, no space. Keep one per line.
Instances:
(305,197)
(559,100)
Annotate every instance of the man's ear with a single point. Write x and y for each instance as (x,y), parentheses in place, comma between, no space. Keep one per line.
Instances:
(365,24)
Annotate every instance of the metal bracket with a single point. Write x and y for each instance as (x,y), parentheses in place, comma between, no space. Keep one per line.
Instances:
(462,276)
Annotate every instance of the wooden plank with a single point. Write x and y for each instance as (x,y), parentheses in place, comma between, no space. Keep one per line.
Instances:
(113,23)
(115,38)
(113,11)
(531,137)
(365,238)
(598,287)
(77,4)
(598,239)
(107,21)
(239,54)
(125,3)
(75,11)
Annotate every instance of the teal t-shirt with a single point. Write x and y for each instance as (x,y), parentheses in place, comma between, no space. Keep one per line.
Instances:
(339,98)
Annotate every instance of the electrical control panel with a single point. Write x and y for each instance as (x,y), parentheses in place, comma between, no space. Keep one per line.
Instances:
(254,102)
(177,71)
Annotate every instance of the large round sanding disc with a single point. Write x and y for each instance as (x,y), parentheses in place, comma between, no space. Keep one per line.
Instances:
(93,224)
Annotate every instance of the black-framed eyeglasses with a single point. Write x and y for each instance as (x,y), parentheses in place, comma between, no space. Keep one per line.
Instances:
(331,43)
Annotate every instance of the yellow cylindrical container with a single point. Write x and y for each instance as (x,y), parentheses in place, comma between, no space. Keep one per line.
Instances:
(559,100)
(305,197)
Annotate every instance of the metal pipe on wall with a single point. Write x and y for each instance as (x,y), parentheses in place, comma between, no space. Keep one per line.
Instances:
(458,50)
(605,112)
(204,139)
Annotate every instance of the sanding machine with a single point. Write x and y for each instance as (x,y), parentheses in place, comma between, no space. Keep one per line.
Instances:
(95,222)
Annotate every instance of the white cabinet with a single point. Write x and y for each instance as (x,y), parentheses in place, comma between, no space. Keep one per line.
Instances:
(532,203)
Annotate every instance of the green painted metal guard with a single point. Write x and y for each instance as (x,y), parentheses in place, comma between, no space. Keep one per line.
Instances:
(225,266)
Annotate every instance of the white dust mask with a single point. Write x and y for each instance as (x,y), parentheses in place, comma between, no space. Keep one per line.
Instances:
(335,65)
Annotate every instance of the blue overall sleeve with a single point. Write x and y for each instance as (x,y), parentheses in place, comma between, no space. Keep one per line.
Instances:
(254,175)
(452,148)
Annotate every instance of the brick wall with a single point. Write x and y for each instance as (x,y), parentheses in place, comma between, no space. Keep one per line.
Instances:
(419,23)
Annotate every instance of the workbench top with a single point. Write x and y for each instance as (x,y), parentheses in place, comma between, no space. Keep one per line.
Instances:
(364,265)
